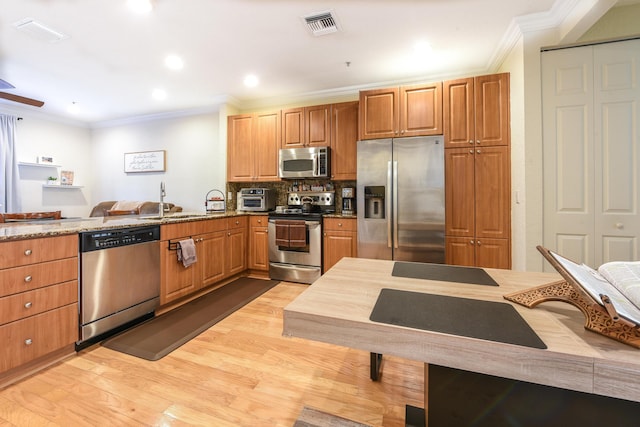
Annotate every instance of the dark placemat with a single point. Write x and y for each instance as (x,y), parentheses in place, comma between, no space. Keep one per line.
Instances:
(486,320)
(445,273)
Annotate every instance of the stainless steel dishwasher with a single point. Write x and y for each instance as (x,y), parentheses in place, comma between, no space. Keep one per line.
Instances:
(119,278)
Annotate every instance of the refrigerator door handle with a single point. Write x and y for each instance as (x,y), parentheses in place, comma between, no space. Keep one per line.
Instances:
(388,203)
(395,204)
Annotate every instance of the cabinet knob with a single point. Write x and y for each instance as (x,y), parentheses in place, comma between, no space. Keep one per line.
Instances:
(325,234)
(478,242)
(27,252)
(228,233)
(259,221)
(619,226)
(28,341)
(470,151)
(27,279)
(237,222)
(471,242)
(339,224)
(478,141)
(471,141)
(28,305)
(478,151)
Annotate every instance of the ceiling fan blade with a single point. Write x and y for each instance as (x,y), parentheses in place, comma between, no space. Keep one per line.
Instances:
(21,99)
(6,85)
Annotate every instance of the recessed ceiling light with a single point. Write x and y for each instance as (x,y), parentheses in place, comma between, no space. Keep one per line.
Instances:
(159,94)
(140,6)
(173,62)
(251,80)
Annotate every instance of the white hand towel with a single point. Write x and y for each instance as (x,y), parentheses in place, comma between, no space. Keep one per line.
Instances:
(187,252)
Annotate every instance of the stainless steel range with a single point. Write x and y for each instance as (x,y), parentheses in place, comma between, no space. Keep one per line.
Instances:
(295,237)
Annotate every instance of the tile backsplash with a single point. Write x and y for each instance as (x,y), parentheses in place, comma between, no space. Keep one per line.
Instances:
(283,187)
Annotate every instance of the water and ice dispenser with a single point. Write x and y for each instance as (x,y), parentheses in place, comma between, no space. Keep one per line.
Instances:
(374,203)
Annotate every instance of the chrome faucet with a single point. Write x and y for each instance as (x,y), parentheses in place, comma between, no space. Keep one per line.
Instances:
(161,205)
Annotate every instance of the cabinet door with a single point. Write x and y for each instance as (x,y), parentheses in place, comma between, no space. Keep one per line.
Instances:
(177,281)
(492,193)
(344,139)
(421,110)
(459,192)
(460,251)
(237,251)
(317,126)
(338,244)
(266,145)
(293,128)
(211,257)
(379,113)
(491,95)
(239,153)
(493,253)
(259,244)
(458,113)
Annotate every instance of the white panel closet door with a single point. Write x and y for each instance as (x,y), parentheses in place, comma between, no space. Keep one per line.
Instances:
(617,159)
(592,152)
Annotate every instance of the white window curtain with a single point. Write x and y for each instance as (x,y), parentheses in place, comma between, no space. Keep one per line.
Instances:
(9,189)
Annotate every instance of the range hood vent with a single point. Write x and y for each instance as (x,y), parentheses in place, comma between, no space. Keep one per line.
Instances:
(321,23)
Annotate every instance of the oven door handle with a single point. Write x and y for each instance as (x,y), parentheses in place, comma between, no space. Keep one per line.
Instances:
(294,266)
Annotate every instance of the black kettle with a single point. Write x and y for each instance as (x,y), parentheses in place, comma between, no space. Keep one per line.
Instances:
(307,205)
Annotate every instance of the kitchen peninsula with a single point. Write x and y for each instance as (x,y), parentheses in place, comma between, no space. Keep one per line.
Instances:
(337,309)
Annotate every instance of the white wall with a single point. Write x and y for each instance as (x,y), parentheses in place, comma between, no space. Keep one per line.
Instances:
(195,153)
(70,147)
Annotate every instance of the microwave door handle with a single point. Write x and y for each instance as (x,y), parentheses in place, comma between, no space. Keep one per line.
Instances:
(316,165)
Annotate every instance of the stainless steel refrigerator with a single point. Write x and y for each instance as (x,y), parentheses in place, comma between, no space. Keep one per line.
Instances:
(400,199)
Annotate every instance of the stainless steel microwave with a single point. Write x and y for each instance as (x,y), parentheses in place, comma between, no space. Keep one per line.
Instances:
(308,162)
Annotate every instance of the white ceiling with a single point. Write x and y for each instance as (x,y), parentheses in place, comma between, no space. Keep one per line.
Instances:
(113,59)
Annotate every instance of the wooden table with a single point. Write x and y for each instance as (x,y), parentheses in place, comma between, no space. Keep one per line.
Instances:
(336,310)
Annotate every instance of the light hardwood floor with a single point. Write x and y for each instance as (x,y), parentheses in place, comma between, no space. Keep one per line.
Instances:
(240,372)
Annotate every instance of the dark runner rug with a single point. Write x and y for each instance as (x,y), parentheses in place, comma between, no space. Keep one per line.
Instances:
(159,336)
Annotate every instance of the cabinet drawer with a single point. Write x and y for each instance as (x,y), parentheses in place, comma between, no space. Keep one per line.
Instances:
(29,277)
(340,224)
(258,220)
(30,338)
(237,222)
(30,303)
(24,252)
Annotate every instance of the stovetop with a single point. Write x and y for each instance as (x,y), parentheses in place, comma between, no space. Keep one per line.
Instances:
(297,213)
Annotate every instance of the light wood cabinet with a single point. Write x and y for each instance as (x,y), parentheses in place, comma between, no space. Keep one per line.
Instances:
(476,111)
(401,111)
(306,127)
(218,245)
(38,303)
(340,240)
(477,211)
(236,245)
(253,141)
(258,258)
(344,140)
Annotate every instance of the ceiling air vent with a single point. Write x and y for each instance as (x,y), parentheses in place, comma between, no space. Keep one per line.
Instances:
(39,30)
(321,23)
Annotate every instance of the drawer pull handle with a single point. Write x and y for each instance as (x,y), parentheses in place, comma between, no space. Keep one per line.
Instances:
(27,252)
(28,279)
(28,305)
(28,341)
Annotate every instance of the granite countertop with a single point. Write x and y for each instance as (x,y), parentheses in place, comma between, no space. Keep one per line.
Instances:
(45,228)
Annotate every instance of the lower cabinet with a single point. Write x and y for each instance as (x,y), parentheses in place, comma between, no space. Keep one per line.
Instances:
(38,304)
(340,240)
(258,244)
(221,246)
(493,253)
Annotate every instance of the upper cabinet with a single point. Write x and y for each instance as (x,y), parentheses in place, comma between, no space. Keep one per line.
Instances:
(401,111)
(476,111)
(253,141)
(306,127)
(344,140)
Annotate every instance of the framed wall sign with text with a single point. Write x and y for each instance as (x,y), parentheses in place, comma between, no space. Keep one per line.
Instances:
(145,161)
